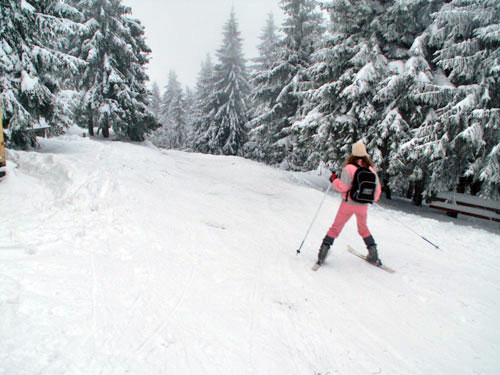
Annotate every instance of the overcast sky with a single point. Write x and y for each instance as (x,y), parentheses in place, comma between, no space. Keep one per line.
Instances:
(182,32)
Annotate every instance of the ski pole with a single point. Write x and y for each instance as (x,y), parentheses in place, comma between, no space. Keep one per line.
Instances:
(407,227)
(314,219)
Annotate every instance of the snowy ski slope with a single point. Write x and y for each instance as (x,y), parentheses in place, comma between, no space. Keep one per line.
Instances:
(119,258)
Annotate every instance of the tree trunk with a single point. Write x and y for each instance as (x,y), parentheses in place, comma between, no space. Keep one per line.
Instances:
(475,187)
(462,183)
(409,192)
(105,129)
(91,127)
(90,124)
(387,189)
(105,132)
(417,195)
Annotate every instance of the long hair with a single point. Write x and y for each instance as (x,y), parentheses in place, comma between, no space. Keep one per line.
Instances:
(366,161)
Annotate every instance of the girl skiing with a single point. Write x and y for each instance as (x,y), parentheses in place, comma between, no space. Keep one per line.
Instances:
(351,205)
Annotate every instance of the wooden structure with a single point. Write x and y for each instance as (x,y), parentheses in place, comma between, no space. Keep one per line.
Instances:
(41,131)
(458,203)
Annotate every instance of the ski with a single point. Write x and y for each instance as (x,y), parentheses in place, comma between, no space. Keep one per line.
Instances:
(382,266)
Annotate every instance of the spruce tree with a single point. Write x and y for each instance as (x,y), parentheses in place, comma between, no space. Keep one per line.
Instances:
(227,133)
(337,104)
(156,101)
(402,30)
(172,134)
(189,102)
(268,46)
(279,84)
(114,81)
(203,108)
(32,57)
(365,78)
(460,143)
(258,144)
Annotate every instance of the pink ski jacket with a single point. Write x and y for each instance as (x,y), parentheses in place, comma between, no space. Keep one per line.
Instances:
(344,183)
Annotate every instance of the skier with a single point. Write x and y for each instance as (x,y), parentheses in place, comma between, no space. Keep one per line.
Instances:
(351,204)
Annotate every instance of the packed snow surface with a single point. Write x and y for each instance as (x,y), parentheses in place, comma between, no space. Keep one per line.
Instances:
(120,258)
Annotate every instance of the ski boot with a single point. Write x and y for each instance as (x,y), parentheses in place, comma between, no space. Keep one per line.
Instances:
(323,250)
(372,256)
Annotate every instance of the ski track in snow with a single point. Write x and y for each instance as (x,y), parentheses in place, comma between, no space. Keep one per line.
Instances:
(123,259)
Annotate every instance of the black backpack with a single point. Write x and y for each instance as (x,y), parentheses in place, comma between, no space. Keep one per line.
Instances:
(363,186)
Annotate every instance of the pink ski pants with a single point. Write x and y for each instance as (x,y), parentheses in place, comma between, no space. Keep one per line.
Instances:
(344,213)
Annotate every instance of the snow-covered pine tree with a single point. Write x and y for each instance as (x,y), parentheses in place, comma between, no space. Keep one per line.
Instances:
(401,29)
(135,97)
(189,100)
(155,105)
(460,143)
(32,55)
(258,145)
(337,104)
(203,108)
(268,46)
(114,81)
(177,121)
(227,133)
(364,76)
(278,85)
(172,134)
(172,90)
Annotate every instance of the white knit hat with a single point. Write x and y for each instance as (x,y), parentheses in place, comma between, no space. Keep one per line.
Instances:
(359,149)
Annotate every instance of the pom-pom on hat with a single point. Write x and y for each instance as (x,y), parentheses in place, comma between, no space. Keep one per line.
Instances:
(359,149)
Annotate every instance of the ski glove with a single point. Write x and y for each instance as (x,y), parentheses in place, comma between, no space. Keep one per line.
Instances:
(333,177)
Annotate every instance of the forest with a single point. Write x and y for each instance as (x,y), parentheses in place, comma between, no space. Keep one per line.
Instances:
(417,80)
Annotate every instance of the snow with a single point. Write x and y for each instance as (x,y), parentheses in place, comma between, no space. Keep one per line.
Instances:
(28,83)
(5,50)
(423,77)
(120,258)
(397,66)
(418,47)
(366,73)
(27,6)
(344,119)
(313,118)
(440,79)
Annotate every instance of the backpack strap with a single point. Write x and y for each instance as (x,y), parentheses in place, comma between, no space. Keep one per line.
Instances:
(352,181)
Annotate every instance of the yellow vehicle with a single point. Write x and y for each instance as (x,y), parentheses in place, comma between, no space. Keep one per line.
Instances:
(3,162)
